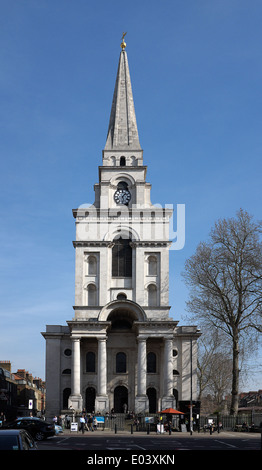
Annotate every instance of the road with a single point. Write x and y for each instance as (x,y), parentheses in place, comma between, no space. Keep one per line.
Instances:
(140,442)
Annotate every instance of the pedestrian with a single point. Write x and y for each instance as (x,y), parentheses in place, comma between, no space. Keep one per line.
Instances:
(59,420)
(86,423)
(82,424)
(90,423)
(67,421)
(95,423)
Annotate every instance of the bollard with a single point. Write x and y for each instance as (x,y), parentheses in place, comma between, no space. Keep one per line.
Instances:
(131,428)
(148,429)
(115,429)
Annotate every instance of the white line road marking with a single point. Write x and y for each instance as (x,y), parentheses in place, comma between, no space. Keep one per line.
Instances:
(225,443)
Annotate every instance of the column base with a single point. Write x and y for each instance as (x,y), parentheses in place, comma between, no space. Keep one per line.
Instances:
(75,402)
(102,403)
(168,402)
(141,404)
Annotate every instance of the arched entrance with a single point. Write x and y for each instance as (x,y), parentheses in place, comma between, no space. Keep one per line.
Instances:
(66,395)
(151,393)
(90,399)
(120,399)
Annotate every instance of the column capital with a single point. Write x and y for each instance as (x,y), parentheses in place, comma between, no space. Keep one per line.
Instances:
(75,339)
(141,338)
(101,338)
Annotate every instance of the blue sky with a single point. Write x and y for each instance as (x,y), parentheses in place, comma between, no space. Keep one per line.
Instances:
(196,74)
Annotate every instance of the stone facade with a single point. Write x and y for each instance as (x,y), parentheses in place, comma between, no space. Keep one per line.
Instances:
(122,350)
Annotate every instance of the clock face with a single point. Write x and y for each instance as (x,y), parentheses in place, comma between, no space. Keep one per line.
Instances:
(122,196)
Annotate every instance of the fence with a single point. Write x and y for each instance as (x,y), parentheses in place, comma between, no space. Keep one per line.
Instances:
(232,422)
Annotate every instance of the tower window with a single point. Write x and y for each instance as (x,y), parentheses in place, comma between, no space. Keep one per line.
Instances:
(122,258)
(152,266)
(152,295)
(121,296)
(122,161)
(92,265)
(91,295)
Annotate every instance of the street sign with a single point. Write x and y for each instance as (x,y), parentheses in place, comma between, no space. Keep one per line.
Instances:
(30,404)
(74,426)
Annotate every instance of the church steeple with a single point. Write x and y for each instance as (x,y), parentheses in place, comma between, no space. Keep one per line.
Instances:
(122,130)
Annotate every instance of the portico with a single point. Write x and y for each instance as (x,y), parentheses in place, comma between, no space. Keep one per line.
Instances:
(121,332)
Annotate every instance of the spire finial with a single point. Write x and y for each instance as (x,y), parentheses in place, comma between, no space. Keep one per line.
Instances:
(123,44)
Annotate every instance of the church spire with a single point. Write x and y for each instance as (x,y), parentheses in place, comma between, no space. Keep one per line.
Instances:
(122,130)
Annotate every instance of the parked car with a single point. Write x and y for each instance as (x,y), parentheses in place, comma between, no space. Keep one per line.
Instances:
(38,428)
(16,439)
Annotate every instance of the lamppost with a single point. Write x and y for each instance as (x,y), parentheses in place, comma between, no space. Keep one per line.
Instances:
(191,387)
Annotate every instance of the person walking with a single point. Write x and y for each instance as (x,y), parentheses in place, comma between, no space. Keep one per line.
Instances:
(90,423)
(82,424)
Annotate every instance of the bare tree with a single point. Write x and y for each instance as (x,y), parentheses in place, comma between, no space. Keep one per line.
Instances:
(225,277)
(214,365)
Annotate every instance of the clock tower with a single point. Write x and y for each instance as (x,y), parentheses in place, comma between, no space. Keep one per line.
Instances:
(121,350)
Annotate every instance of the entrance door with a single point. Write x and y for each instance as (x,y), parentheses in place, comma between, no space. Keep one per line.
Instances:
(151,393)
(120,399)
(90,399)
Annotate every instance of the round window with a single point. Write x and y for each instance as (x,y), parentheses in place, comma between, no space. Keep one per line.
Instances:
(67,352)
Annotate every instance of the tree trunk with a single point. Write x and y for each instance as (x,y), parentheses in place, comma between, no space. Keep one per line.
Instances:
(235,377)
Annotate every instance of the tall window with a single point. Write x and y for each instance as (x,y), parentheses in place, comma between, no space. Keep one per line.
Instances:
(120,362)
(151,363)
(122,258)
(90,361)
(152,266)
(152,295)
(92,265)
(91,295)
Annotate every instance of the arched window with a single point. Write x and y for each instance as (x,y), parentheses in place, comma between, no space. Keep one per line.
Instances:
(91,295)
(92,265)
(152,266)
(66,395)
(151,393)
(121,296)
(152,295)
(90,361)
(120,362)
(122,185)
(151,363)
(122,161)
(66,372)
(122,258)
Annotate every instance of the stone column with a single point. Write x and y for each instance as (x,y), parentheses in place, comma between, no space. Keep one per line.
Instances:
(168,378)
(168,400)
(102,366)
(102,402)
(141,400)
(141,367)
(76,366)
(75,399)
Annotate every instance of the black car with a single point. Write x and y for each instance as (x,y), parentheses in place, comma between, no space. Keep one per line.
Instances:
(37,428)
(16,439)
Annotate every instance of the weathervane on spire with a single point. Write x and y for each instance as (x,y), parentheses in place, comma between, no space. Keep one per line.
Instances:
(123,44)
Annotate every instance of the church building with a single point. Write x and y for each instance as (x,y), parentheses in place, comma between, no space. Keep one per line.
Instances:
(122,350)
